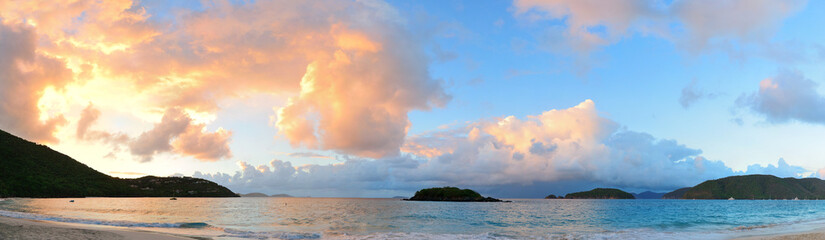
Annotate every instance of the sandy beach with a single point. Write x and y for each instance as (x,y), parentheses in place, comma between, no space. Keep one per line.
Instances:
(809,235)
(13,228)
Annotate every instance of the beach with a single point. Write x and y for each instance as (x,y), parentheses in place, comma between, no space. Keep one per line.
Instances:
(809,235)
(13,228)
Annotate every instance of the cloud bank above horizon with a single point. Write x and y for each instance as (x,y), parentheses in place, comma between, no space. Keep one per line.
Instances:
(565,145)
(345,96)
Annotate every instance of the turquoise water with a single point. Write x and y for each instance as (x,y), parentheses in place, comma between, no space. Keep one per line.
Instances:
(312,218)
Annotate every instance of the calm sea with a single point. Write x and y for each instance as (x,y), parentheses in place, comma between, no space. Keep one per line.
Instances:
(339,218)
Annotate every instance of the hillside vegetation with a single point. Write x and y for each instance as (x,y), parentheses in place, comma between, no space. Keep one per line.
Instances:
(758,187)
(452,194)
(600,193)
(676,194)
(28,169)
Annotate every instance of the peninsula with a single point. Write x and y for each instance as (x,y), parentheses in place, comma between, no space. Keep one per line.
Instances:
(34,170)
(758,187)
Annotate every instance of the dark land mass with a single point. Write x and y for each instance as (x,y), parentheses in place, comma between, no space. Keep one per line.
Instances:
(648,195)
(255,194)
(676,194)
(552,196)
(450,194)
(28,169)
(600,193)
(758,187)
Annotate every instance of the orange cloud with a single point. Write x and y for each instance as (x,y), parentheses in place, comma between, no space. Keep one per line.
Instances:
(204,145)
(24,76)
(352,69)
(87,117)
(176,132)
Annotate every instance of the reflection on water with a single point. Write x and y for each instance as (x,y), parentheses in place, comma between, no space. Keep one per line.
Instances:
(336,217)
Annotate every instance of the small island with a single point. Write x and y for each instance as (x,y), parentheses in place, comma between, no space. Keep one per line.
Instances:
(450,194)
(600,193)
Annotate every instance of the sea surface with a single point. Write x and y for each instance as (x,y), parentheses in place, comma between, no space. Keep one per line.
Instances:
(343,218)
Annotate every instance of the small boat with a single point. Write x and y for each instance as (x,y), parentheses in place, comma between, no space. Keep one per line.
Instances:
(173,198)
(71,200)
(731,198)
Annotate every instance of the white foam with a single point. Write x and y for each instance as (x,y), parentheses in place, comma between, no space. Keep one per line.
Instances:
(33,216)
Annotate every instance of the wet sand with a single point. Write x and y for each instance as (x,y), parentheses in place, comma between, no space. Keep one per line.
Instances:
(14,228)
(809,235)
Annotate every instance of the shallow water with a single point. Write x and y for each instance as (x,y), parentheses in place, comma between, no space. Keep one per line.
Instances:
(309,218)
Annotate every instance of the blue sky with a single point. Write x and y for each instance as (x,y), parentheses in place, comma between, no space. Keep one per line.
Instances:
(540,96)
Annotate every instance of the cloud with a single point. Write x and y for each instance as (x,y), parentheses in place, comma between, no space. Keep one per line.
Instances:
(352,70)
(204,146)
(706,21)
(389,78)
(87,117)
(520,157)
(177,132)
(787,96)
(695,25)
(691,94)
(782,169)
(308,155)
(589,24)
(25,74)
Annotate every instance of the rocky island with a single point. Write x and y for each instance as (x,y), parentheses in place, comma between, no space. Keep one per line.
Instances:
(450,194)
(34,170)
(600,193)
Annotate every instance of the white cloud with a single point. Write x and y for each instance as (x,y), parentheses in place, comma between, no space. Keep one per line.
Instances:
(787,96)
(566,146)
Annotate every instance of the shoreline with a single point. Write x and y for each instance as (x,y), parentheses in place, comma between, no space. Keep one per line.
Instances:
(814,234)
(20,228)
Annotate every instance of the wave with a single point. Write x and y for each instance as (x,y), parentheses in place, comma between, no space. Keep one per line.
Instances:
(33,216)
(226,232)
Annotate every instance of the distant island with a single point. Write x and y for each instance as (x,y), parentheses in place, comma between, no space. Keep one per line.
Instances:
(257,194)
(33,170)
(648,195)
(600,193)
(758,187)
(450,194)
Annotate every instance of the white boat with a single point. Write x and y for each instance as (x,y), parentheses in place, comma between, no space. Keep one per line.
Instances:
(731,198)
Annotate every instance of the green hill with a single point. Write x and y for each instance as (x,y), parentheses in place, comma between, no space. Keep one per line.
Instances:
(600,193)
(758,187)
(452,194)
(676,194)
(28,169)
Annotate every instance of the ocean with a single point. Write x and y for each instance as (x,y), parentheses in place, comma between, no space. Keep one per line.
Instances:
(354,218)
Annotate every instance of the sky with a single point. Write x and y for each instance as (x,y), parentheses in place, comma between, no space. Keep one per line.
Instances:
(374,98)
